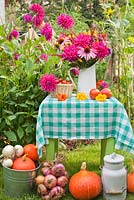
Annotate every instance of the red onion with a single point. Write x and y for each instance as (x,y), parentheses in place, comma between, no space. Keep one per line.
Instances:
(39,179)
(50,181)
(58,170)
(56,193)
(46,164)
(66,174)
(62,181)
(42,189)
(45,171)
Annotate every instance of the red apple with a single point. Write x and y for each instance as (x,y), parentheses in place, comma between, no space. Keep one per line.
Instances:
(93,93)
(107,92)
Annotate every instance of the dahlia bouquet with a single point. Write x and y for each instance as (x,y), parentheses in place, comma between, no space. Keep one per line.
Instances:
(78,50)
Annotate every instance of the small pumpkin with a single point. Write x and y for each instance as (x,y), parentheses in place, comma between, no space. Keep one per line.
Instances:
(85,184)
(31,151)
(23,163)
(130,177)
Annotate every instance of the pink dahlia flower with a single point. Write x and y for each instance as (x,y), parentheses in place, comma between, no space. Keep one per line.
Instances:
(82,40)
(27,18)
(65,21)
(13,34)
(70,53)
(39,17)
(104,84)
(47,31)
(48,82)
(16,56)
(102,50)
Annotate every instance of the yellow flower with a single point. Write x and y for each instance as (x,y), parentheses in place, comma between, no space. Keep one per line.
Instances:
(101,97)
(110,12)
(81,96)
(131,39)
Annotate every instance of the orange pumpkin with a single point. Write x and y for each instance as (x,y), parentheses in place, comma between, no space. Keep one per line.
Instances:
(31,151)
(130,178)
(23,163)
(85,184)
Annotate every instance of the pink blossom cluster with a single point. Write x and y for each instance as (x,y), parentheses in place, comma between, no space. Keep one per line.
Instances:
(86,47)
(48,82)
(37,15)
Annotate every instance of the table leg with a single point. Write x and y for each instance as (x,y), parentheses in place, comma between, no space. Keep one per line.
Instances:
(107,147)
(51,149)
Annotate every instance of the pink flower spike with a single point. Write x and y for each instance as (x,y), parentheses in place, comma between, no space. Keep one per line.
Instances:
(65,21)
(48,82)
(13,34)
(47,31)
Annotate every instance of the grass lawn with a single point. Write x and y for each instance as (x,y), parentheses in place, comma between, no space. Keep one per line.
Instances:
(72,162)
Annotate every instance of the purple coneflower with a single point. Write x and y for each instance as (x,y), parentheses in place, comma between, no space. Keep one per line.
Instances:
(47,31)
(13,34)
(70,53)
(27,18)
(48,82)
(65,21)
(87,53)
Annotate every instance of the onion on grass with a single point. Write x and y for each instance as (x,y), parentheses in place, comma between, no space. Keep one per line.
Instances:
(62,181)
(58,170)
(50,181)
(56,193)
(39,179)
(45,171)
(42,189)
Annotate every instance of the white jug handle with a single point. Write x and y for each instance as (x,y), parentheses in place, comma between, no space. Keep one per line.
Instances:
(69,74)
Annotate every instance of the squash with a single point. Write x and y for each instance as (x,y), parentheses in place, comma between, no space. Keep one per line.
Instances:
(85,184)
(23,163)
(130,177)
(31,151)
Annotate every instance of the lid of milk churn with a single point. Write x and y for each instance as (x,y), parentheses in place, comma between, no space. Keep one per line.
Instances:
(114,158)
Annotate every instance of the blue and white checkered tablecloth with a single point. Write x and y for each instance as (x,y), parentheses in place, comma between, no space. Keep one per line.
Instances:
(85,119)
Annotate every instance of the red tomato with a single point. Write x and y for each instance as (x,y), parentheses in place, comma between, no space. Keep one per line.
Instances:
(107,92)
(93,93)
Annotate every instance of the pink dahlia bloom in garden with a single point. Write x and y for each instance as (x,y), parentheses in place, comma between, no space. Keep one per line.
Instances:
(47,31)
(27,18)
(65,21)
(16,56)
(13,34)
(70,53)
(39,17)
(48,82)
(75,71)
